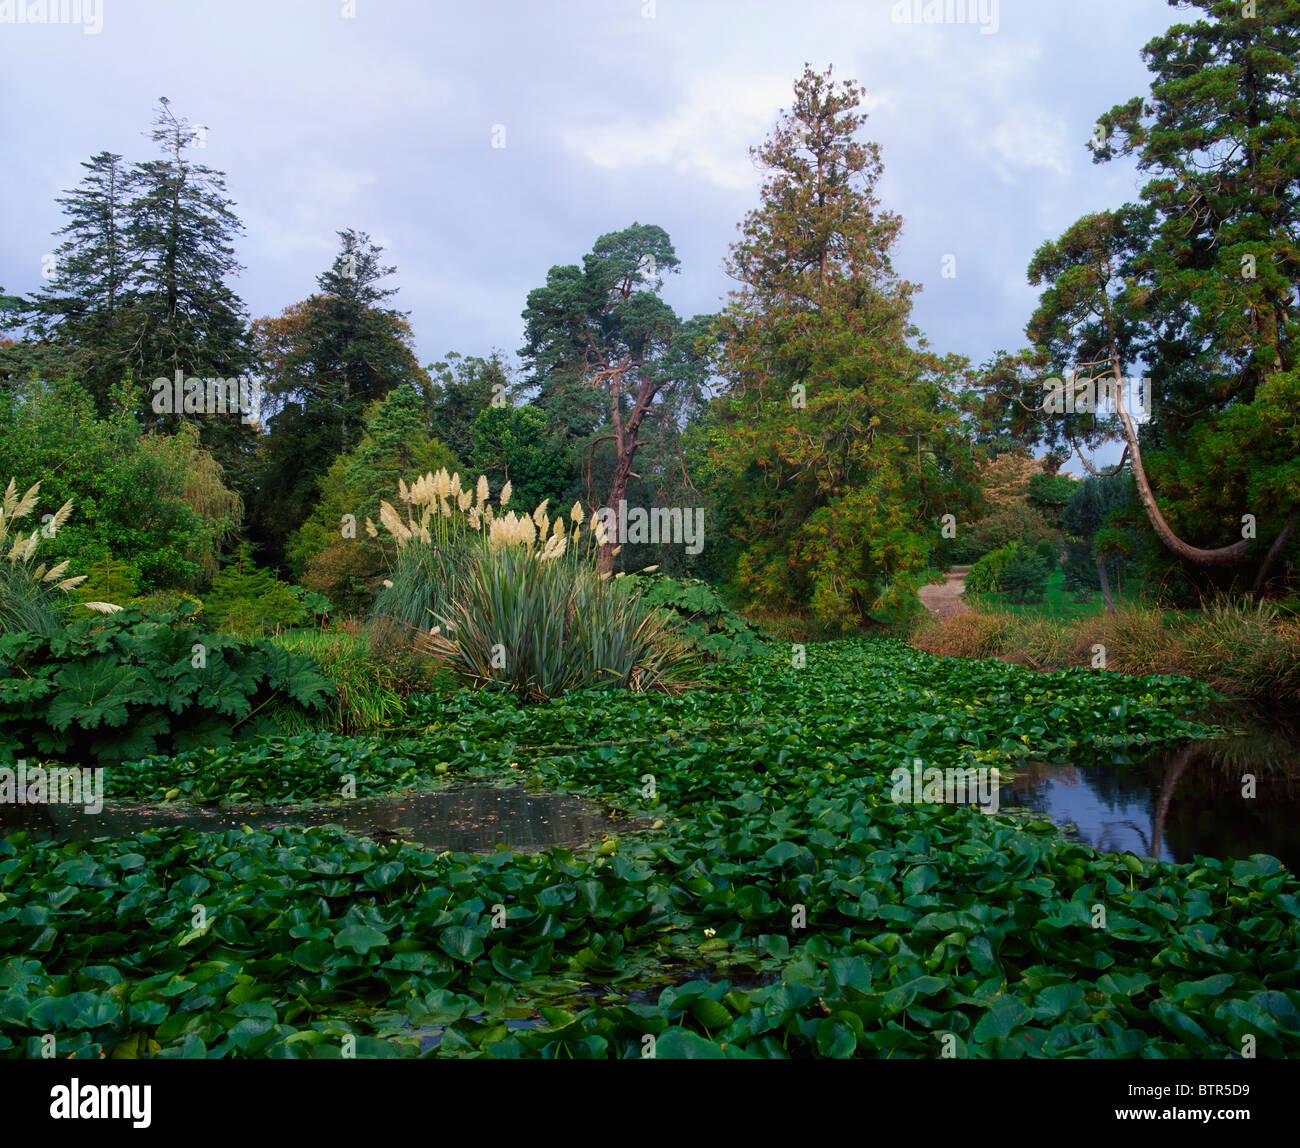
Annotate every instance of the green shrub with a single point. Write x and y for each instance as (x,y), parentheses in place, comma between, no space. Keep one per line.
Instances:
(1024,578)
(246,600)
(985,577)
(1018,570)
(127,685)
(108,580)
(1018,522)
(373,669)
(705,622)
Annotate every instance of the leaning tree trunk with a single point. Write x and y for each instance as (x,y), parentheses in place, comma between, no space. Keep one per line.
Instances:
(626,441)
(617,492)
(1221,556)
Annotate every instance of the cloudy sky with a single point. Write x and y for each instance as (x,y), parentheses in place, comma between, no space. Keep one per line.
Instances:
(382,115)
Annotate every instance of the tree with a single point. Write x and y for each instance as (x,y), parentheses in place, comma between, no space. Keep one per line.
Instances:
(841,443)
(326,361)
(83,304)
(1198,282)
(1097,539)
(183,317)
(156,502)
(462,387)
(601,343)
(331,551)
(511,444)
(248,601)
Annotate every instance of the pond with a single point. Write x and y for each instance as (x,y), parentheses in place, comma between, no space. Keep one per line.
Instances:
(1225,797)
(472,820)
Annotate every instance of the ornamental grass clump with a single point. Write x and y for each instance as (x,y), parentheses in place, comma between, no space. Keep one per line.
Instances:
(515,599)
(29,597)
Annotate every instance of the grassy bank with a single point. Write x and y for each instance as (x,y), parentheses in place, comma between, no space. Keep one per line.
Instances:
(1246,650)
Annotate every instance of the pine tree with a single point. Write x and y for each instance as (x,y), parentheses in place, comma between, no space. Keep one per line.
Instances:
(247,600)
(1196,283)
(608,355)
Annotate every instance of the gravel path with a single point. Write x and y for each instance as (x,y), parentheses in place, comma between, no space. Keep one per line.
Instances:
(945,600)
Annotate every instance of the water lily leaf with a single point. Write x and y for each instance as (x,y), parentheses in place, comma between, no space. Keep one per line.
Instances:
(359,939)
(835,1039)
(682,1044)
(460,942)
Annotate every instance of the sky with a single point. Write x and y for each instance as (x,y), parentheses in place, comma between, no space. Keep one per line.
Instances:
(389,116)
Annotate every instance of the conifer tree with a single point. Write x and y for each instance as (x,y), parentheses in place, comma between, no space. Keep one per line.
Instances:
(82,306)
(183,316)
(608,355)
(326,361)
(1194,289)
(837,442)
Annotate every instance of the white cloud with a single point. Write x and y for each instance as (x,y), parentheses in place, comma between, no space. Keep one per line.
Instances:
(707,135)
(1022,142)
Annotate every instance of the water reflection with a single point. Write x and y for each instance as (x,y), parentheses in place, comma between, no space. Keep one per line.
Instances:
(1227,797)
(469,819)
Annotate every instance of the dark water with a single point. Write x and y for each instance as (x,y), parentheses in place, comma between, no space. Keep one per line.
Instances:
(1191,799)
(469,820)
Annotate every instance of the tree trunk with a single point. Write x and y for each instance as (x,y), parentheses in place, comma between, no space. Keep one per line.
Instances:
(617,492)
(1223,555)
(1104,579)
(1273,551)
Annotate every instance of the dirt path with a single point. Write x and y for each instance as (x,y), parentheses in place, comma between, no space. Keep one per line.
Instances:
(945,600)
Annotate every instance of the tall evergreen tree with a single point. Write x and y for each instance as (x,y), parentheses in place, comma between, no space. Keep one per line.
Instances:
(81,308)
(326,360)
(606,352)
(838,442)
(183,316)
(1197,284)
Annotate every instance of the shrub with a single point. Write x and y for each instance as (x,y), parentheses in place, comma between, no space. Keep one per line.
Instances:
(372,668)
(545,626)
(705,622)
(108,580)
(249,601)
(1018,570)
(985,577)
(1024,578)
(121,687)
(1018,522)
